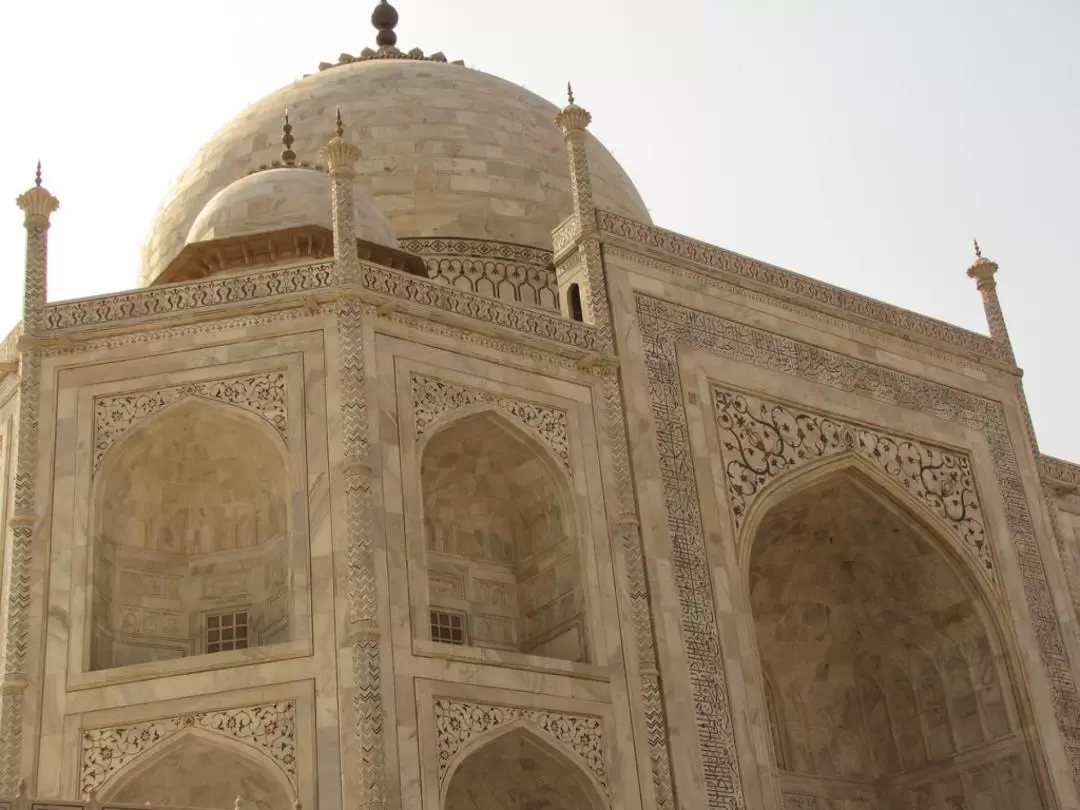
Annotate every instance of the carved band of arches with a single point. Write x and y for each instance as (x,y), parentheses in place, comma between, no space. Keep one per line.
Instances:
(261,394)
(433,397)
(458,725)
(761,441)
(269,729)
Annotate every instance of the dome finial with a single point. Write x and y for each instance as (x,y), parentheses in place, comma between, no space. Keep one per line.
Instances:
(978,250)
(384,18)
(37,175)
(288,156)
(570,92)
(339,126)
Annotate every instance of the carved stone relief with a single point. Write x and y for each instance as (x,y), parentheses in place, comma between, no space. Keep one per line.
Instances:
(762,440)
(457,723)
(261,394)
(663,327)
(270,729)
(433,397)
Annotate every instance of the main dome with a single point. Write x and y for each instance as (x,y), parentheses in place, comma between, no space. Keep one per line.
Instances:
(447,152)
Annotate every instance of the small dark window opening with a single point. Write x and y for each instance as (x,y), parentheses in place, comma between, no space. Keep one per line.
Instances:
(573,302)
(227,631)
(449,628)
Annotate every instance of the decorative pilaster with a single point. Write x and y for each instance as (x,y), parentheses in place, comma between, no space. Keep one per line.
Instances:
(363,630)
(580,272)
(983,271)
(37,205)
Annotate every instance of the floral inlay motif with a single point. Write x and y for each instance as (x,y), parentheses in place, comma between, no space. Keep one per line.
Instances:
(270,729)
(433,397)
(457,723)
(261,394)
(762,440)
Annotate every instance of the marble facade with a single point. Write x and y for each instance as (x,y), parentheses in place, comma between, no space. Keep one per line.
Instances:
(709,534)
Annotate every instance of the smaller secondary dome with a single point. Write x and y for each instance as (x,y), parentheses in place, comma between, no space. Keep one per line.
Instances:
(289,197)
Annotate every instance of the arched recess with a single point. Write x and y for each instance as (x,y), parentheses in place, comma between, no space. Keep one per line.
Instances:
(501,542)
(513,766)
(192,546)
(876,631)
(198,769)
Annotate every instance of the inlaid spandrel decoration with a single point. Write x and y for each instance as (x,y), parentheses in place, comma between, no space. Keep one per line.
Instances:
(761,441)
(433,397)
(457,723)
(269,729)
(261,394)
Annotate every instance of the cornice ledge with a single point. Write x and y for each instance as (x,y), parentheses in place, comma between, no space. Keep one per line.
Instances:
(709,260)
(1059,474)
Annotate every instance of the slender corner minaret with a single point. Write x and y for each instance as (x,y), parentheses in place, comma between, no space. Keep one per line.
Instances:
(574,123)
(21,636)
(37,205)
(364,638)
(340,157)
(579,266)
(983,271)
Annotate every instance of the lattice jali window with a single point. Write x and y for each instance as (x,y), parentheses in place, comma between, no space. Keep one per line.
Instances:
(227,631)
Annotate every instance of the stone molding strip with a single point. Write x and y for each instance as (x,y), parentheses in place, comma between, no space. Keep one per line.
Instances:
(1056,471)
(138,307)
(813,293)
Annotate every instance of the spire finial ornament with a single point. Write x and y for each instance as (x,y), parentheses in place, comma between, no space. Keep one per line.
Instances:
(978,250)
(37,175)
(572,118)
(983,271)
(37,203)
(385,18)
(339,127)
(288,156)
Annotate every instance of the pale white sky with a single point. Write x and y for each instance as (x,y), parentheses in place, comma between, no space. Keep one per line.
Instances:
(861,142)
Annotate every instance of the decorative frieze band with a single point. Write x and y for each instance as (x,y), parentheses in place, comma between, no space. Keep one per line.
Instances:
(666,326)
(432,397)
(725,261)
(261,394)
(457,723)
(1059,472)
(761,441)
(270,729)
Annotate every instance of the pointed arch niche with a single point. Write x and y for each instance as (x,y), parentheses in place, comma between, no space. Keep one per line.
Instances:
(191,538)
(197,769)
(518,768)
(887,679)
(500,540)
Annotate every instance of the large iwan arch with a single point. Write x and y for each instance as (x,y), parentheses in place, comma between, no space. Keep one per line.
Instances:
(885,648)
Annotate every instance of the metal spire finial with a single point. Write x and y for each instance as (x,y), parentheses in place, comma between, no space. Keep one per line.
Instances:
(288,156)
(978,250)
(37,175)
(339,127)
(384,18)
(570,92)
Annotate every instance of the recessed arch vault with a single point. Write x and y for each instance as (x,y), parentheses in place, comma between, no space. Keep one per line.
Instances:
(514,765)
(884,641)
(501,538)
(195,768)
(192,538)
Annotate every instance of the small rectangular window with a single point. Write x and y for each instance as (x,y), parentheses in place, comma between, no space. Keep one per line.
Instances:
(448,628)
(227,631)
